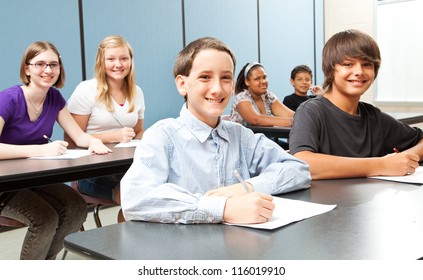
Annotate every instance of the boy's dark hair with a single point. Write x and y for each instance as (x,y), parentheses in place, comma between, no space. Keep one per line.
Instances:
(301,69)
(348,44)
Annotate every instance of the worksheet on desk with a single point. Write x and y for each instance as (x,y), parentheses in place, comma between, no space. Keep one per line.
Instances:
(415,178)
(289,210)
(132,143)
(70,154)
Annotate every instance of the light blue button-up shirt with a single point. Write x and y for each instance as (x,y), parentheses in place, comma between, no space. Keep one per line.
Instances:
(179,160)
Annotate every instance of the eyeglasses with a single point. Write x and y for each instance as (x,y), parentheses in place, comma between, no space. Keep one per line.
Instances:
(43,65)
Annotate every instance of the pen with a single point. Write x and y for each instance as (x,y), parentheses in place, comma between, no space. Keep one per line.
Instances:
(396,150)
(113,115)
(48,139)
(241,180)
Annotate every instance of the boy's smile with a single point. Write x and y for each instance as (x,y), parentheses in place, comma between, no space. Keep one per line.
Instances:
(209,86)
(302,83)
(353,77)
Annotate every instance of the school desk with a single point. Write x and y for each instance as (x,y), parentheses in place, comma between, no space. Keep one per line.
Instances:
(271,131)
(373,220)
(16,174)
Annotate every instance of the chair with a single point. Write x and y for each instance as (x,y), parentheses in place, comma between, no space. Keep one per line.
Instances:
(94,201)
(7,222)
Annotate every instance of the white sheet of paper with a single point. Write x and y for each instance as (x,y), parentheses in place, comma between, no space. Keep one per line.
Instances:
(70,154)
(288,211)
(415,178)
(132,143)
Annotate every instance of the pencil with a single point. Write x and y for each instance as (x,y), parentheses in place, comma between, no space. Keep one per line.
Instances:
(48,139)
(113,115)
(241,180)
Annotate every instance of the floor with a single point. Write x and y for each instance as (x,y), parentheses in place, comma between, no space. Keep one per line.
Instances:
(11,240)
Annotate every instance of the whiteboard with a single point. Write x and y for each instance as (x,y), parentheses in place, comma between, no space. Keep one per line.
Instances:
(400,38)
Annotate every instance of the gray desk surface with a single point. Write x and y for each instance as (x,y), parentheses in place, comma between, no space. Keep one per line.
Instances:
(18,174)
(373,220)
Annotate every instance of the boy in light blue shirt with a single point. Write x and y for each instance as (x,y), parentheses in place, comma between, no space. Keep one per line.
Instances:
(183,169)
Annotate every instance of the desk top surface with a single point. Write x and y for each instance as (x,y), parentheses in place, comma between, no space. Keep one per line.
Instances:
(23,173)
(373,219)
(271,131)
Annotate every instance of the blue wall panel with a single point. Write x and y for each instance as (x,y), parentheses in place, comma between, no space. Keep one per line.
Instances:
(154,29)
(281,34)
(287,40)
(234,22)
(23,22)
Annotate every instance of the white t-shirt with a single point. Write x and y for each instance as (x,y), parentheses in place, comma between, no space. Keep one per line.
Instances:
(83,101)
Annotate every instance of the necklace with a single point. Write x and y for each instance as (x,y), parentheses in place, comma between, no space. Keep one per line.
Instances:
(39,109)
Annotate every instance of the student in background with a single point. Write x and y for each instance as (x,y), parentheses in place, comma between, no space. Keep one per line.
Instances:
(109,107)
(301,80)
(27,113)
(254,104)
(341,137)
(183,169)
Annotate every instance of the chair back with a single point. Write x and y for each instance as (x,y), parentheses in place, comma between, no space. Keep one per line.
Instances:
(7,222)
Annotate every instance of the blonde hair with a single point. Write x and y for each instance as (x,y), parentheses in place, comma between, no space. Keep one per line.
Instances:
(32,51)
(103,96)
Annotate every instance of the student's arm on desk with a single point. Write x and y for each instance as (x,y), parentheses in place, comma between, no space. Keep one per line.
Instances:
(251,116)
(9,151)
(244,207)
(81,139)
(146,194)
(324,166)
(55,148)
(251,208)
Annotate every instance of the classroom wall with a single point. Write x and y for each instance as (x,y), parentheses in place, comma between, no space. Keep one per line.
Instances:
(346,14)
(359,14)
(280,34)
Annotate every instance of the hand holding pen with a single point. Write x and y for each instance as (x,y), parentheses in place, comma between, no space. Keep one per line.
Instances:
(244,208)
(126,133)
(395,164)
(54,147)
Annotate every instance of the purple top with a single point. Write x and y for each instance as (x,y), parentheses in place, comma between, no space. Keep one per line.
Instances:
(18,128)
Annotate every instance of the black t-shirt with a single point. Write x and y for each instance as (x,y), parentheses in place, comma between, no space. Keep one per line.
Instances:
(320,126)
(293,101)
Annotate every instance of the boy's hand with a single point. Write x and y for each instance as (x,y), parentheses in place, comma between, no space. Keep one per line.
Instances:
(317,90)
(399,164)
(251,208)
